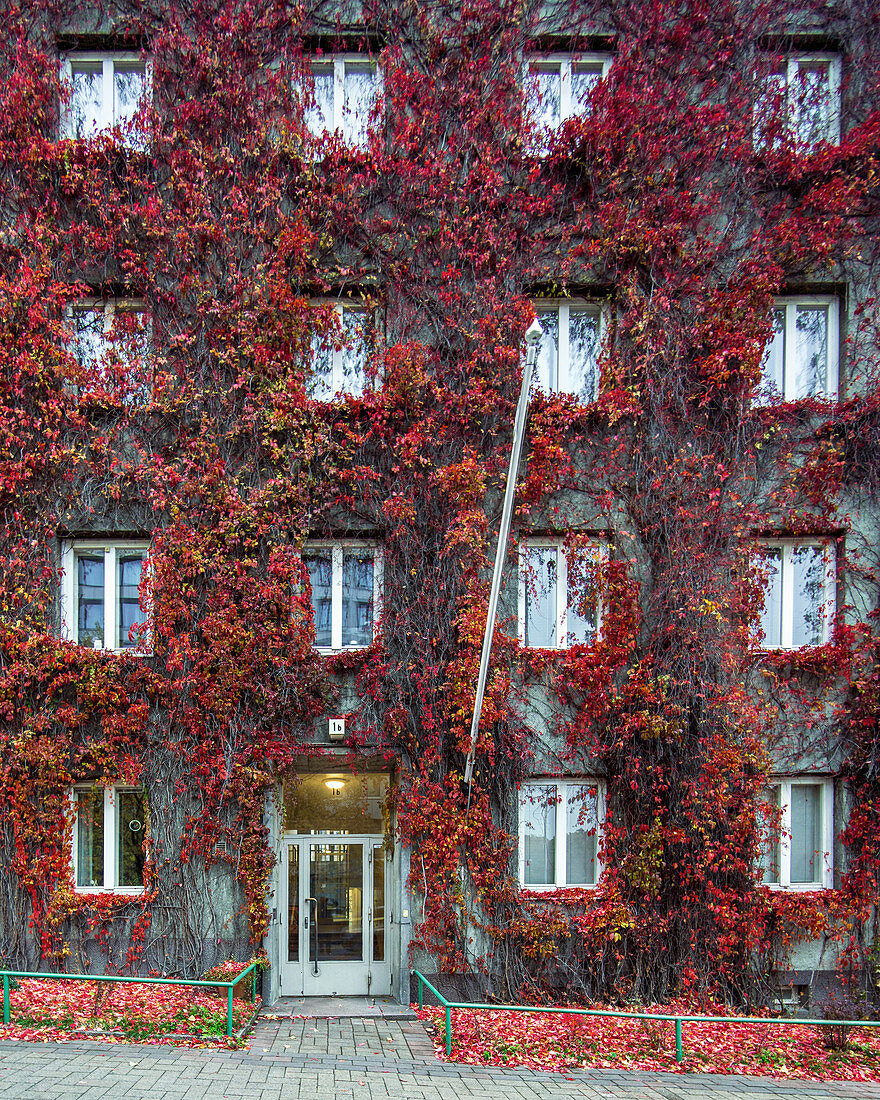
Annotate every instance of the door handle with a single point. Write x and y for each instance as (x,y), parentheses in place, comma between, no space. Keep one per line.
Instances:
(314,901)
(309,901)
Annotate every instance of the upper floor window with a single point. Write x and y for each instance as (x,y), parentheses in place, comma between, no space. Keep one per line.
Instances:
(111,341)
(800,101)
(109,829)
(101,594)
(558,86)
(799,856)
(558,606)
(801,358)
(345,580)
(106,91)
(559,824)
(340,355)
(799,592)
(568,356)
(346,88)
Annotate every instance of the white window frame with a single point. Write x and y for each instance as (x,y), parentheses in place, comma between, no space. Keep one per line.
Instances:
(564,63)
(789,306)
(563,308)
(109,307)
(111,806)
(108,59)
(338,550)
(337,352)
(562,787)
(829,593)
(355,139)
(784,786)
(599,546)
(789,70)
(70,549)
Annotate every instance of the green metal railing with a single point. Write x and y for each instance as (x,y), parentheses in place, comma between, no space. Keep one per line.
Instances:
(665,1017)
(229,986)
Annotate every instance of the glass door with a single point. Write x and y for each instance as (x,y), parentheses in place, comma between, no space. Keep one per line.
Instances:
(334,904)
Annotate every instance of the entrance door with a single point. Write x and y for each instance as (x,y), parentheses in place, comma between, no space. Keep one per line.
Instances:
(333,899)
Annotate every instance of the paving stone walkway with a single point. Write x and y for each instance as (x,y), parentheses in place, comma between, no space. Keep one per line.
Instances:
(359,1058)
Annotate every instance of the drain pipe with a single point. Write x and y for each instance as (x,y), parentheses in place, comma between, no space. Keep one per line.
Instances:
(533,338)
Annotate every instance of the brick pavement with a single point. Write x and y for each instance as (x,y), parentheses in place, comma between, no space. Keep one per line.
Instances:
(362,1059)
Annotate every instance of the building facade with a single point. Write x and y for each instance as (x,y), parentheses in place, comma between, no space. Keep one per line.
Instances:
(264,285)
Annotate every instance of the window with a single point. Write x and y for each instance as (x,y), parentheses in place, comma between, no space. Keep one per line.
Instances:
(800,857)
(800,359)
(346,88)
(559,825)
(340,358)
(101,601)
(111,342)
(345,580)
(109,829)
(568,356)
(558,86)
(106,91)
(800,102)
(799,593)
(557,594)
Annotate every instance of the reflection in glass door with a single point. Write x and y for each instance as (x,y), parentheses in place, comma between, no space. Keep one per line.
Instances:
(334,903)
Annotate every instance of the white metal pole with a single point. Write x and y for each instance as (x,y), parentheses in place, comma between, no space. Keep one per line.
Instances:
(533,338)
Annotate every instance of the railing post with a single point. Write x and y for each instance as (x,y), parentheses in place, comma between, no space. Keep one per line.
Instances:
(229,991)
(679,1053)
(5,998)
(448,1031)
(421,988)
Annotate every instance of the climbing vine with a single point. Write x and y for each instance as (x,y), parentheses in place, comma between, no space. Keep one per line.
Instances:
(682,199)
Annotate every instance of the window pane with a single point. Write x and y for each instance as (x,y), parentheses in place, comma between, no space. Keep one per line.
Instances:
(90,600)
(90,838)
(811,366)
(545,97)
(131,821)
(378,902)
(540,579)
(812,102)
(582,840)
(584,78)
(88,336)
(319,118)
(806,833)
(773,364)
(808,580)
(129,612)
(771,614)
(581,596)
(583,354)
(770,852)
(538,815)
(320,384)
(87,98)
(771,110)
(129,80)
(320,575)
(359,96)
(547,366)
(293,903)
(131,341)
(354,351)
(357,598)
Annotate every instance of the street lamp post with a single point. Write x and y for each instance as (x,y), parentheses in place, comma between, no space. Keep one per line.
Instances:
(533,338)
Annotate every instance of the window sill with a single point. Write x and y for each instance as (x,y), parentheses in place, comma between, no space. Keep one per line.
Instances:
(113,892)
(797,888)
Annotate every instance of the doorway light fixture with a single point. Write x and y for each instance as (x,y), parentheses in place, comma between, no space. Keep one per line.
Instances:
(334,784)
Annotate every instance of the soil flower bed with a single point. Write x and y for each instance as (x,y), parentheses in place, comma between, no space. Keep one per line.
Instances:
(59,1011)
(550,1042)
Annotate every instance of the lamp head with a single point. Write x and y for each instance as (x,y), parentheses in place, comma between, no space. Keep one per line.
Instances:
(534,333)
